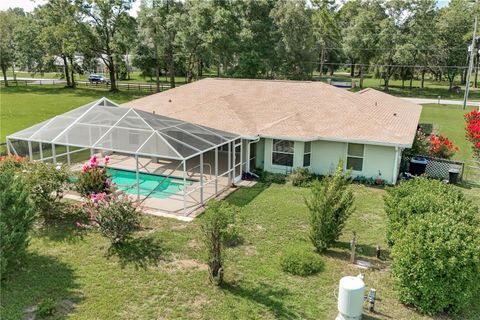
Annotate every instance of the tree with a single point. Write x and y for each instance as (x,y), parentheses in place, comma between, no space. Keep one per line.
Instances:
(256,56)
(330,204)
(16,220)
(328,36)
(8,44)
(160,21)
(453,24)
(104,21)
(59,33)
(294,28)
(361,36)
(214,225)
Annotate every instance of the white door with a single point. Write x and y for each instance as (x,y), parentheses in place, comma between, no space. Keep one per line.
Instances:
(237,160)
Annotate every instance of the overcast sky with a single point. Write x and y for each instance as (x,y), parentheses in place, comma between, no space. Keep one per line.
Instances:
(28,5)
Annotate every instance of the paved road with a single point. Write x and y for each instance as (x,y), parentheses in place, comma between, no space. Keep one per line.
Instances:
(441,101)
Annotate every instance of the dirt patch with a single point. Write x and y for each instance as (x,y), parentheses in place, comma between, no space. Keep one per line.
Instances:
(251,251)
(193,244)
(178,227)
(185,265)
(259,227)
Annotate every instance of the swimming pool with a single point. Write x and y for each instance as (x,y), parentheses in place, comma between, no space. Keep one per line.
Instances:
(155,186)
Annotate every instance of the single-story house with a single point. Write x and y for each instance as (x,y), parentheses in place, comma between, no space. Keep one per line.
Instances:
(291,124)
(176,149)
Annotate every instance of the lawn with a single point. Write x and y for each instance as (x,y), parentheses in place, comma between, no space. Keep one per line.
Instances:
(22,107)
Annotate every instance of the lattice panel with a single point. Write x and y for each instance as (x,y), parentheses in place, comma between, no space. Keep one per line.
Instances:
(438,168)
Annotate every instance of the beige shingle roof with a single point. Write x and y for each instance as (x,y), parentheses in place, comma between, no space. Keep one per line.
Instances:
(289,109)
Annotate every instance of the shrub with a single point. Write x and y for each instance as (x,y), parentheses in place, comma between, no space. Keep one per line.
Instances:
(301,262)
(215,224)
(47,184)
(418,196)
(434,145)
(114,214)
(472,130)
(269,177)
(46,308)
(330,204)
(300,177)
(93,179)
(16,218)
(436,261)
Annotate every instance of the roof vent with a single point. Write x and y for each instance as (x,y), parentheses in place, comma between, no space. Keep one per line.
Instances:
(395,114)
(169,100)
(375,103)
(153,111)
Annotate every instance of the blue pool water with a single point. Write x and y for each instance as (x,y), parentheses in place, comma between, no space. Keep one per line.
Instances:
(156,186)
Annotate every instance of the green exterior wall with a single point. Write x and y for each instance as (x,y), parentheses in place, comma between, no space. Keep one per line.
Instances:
(325,156)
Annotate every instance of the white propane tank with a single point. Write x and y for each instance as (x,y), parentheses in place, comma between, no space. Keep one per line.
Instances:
(350,298)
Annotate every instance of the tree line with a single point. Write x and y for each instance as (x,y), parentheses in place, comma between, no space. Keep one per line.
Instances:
(274,39)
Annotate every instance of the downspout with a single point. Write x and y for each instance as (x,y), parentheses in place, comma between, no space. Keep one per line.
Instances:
(395,167)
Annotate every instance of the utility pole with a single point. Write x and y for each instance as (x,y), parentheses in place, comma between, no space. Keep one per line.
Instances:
(470,65)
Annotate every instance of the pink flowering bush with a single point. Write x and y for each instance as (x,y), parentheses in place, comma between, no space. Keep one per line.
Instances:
(114,214)
(94,179)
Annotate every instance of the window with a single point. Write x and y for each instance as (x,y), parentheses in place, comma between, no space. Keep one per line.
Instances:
(355,156)
(282,154)
(306,154)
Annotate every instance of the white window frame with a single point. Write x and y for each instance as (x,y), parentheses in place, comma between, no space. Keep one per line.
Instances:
(352,156)
(292,153)
(305,153)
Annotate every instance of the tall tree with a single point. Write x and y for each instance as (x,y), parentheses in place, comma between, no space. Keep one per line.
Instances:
(453,25)
(104,22)
(295,48)
(8,45)
(59,33)
(361,36)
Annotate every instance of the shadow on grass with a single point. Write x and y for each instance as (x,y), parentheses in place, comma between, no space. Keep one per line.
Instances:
(139,252)
(264,294)
(62,227)
(364,250)
(245,195)
(37,278)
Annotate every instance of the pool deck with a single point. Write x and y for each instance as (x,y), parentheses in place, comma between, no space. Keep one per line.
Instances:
(177,206)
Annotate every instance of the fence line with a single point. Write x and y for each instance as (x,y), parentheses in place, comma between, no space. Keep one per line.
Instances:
(151,87)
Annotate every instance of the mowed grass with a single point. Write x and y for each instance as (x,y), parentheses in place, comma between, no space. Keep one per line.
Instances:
(22,107)
(74,268)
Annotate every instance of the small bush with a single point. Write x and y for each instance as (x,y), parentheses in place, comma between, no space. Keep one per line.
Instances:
(46,308)
(269,177)
(330,204)
(17,216)
(114,214)
(47,183)
(300,177)
(418,196)
(301,262)
(93,179)
(436,261)
(215,224)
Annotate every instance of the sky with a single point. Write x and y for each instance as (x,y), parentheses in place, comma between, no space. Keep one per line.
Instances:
(28,5)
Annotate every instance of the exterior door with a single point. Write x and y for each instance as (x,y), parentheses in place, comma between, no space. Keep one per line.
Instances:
(237,161)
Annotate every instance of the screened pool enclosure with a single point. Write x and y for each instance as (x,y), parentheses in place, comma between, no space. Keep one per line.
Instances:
(176,165)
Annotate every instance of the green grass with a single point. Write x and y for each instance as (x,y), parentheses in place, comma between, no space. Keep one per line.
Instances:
(22,107)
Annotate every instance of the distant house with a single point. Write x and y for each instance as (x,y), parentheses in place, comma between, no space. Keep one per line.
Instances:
(292,124)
